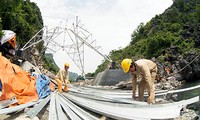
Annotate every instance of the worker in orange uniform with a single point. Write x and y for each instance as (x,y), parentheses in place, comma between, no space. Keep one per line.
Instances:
(146,69)
(63,77)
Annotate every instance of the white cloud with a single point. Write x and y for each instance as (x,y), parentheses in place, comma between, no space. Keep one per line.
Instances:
(110,21)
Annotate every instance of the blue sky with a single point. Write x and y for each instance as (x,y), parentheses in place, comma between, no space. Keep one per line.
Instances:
(111,22)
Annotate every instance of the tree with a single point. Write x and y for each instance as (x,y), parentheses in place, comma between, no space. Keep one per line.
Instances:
(0,28)
(197,13)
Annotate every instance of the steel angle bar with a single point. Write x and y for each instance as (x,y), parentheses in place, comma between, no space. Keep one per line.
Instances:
(69,111)
(124,111)
(186,102)
(183,90)
(124,94)
(111,91)
(129,96)
(114,93)
(16,108)
(52,109)
(82,113)
(5,103)
(60,113)
(33,112)
(128,101)
(108,98)
(103,109)
(170,94)
(89,95)
(32,38)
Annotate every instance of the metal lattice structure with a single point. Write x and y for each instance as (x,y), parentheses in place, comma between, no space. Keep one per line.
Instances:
(78,36)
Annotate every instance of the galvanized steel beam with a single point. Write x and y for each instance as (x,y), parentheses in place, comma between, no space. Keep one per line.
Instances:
(60,113)
(79,111)
(52,109)
(5,103)
(108,98)
(16,108)
(69,111)
(124,111)
(34,111)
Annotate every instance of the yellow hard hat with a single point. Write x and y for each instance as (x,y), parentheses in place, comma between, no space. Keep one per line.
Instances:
(126,63)
(66,64)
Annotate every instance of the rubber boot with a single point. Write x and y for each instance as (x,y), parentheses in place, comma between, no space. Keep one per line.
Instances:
(65,88)
(59,83)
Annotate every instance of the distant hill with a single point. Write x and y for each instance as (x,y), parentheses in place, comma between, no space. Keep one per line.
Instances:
(73,76)
(52,65)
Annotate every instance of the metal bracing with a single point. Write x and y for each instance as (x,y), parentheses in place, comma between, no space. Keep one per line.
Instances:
(5,103)
(77,35)
(69,111)
(79,111)
(34,111)
(132,111)
(73,105)
(63,109)
(52,108)
(127,94)
(118,94)
(60,113)
(16,108)
(108,98)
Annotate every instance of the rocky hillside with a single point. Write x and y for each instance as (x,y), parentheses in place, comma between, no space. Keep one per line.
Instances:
(172,39)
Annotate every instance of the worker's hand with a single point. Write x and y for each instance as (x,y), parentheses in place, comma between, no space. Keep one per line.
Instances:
(67,82)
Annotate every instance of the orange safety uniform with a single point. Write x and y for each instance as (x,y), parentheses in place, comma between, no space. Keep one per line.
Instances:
(62,77)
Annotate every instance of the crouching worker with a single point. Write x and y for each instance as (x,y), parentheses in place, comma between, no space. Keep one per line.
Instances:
(63,77)
(146,69)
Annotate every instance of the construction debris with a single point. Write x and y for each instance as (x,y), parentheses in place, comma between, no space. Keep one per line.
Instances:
(93,102)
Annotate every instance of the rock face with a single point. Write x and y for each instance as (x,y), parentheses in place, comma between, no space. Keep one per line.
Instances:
(190,66)
(170,65)
(181,67)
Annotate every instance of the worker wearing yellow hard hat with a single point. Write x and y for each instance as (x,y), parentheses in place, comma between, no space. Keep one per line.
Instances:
(63,77)
(66,64)
(146,70)
(126,63)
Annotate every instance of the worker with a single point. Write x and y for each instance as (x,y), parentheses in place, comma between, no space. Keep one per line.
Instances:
(63,77)
(146,70)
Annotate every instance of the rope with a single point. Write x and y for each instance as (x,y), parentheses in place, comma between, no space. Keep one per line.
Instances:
(185,66)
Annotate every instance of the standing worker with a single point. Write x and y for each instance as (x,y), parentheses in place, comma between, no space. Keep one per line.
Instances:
(63,77)
(147,70)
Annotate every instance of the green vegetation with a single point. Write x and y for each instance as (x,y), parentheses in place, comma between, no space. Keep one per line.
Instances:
(178,26)
(0,27)
(24,18)
(50,63)
(21,16)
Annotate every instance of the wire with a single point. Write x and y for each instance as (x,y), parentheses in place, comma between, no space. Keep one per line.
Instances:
(185,66)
